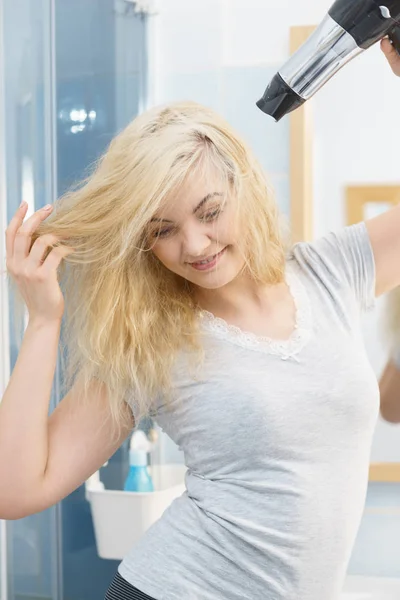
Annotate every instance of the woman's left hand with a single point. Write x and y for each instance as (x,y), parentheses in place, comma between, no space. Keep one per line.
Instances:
(393,57)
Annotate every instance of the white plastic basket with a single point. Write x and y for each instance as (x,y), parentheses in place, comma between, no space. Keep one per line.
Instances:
(121,518)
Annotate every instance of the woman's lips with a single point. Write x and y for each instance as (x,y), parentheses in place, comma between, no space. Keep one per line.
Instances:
(209,264)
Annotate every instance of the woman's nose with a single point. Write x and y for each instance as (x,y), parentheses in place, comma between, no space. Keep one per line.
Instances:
(195,242)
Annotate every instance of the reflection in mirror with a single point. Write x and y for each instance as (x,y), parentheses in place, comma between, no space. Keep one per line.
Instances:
(381,329)
(390,380)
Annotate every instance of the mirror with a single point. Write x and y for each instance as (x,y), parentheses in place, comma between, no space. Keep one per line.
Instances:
(334,115)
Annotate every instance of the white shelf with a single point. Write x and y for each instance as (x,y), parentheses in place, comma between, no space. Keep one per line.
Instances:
(121,518)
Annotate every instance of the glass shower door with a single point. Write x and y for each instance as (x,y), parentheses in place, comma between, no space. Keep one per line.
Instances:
(32,556)
(4,366)
(73,74)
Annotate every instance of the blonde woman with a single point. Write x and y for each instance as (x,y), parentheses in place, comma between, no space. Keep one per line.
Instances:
(390,381)
(182,301)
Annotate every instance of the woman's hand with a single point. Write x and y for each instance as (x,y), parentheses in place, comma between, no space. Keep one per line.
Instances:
(393,57)
(35,269)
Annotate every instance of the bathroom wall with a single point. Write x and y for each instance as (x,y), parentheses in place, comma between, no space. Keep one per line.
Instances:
(223,53)
(227,62)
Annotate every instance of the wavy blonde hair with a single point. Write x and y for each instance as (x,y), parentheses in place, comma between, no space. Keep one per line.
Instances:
(126,315)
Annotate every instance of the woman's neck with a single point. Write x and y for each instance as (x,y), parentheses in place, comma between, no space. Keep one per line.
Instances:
(265,310)
(239,296)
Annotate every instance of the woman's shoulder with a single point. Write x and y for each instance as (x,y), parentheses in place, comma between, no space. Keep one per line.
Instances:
(335,242)
(340,260)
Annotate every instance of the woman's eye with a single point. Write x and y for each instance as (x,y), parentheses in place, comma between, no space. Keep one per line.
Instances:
(162,233)
(211,215)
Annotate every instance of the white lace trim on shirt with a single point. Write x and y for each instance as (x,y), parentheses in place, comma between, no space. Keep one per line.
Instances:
(285,348)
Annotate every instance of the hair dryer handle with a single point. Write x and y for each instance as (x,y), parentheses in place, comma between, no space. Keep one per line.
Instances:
(394,36)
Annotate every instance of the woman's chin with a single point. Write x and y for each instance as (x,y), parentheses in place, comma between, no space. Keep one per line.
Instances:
(214,281)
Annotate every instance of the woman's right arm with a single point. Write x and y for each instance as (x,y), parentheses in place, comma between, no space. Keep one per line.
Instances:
(42,458)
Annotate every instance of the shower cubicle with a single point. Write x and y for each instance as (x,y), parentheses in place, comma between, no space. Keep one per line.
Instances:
(72,74)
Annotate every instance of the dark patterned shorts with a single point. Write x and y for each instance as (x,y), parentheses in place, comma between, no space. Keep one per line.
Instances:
(122,590)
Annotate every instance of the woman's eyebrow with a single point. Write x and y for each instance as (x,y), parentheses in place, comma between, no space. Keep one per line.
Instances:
(198,207)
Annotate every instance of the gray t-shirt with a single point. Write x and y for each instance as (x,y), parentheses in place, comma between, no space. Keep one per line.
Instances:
(276,437)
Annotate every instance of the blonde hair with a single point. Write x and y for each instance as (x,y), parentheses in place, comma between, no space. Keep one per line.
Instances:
(126,315)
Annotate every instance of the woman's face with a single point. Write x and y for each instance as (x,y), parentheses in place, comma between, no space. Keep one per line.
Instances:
(195,234)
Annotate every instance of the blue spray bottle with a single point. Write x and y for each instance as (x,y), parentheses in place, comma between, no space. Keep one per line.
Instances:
(139,479)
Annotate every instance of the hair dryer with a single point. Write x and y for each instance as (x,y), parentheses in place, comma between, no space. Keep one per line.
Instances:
(349,28)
